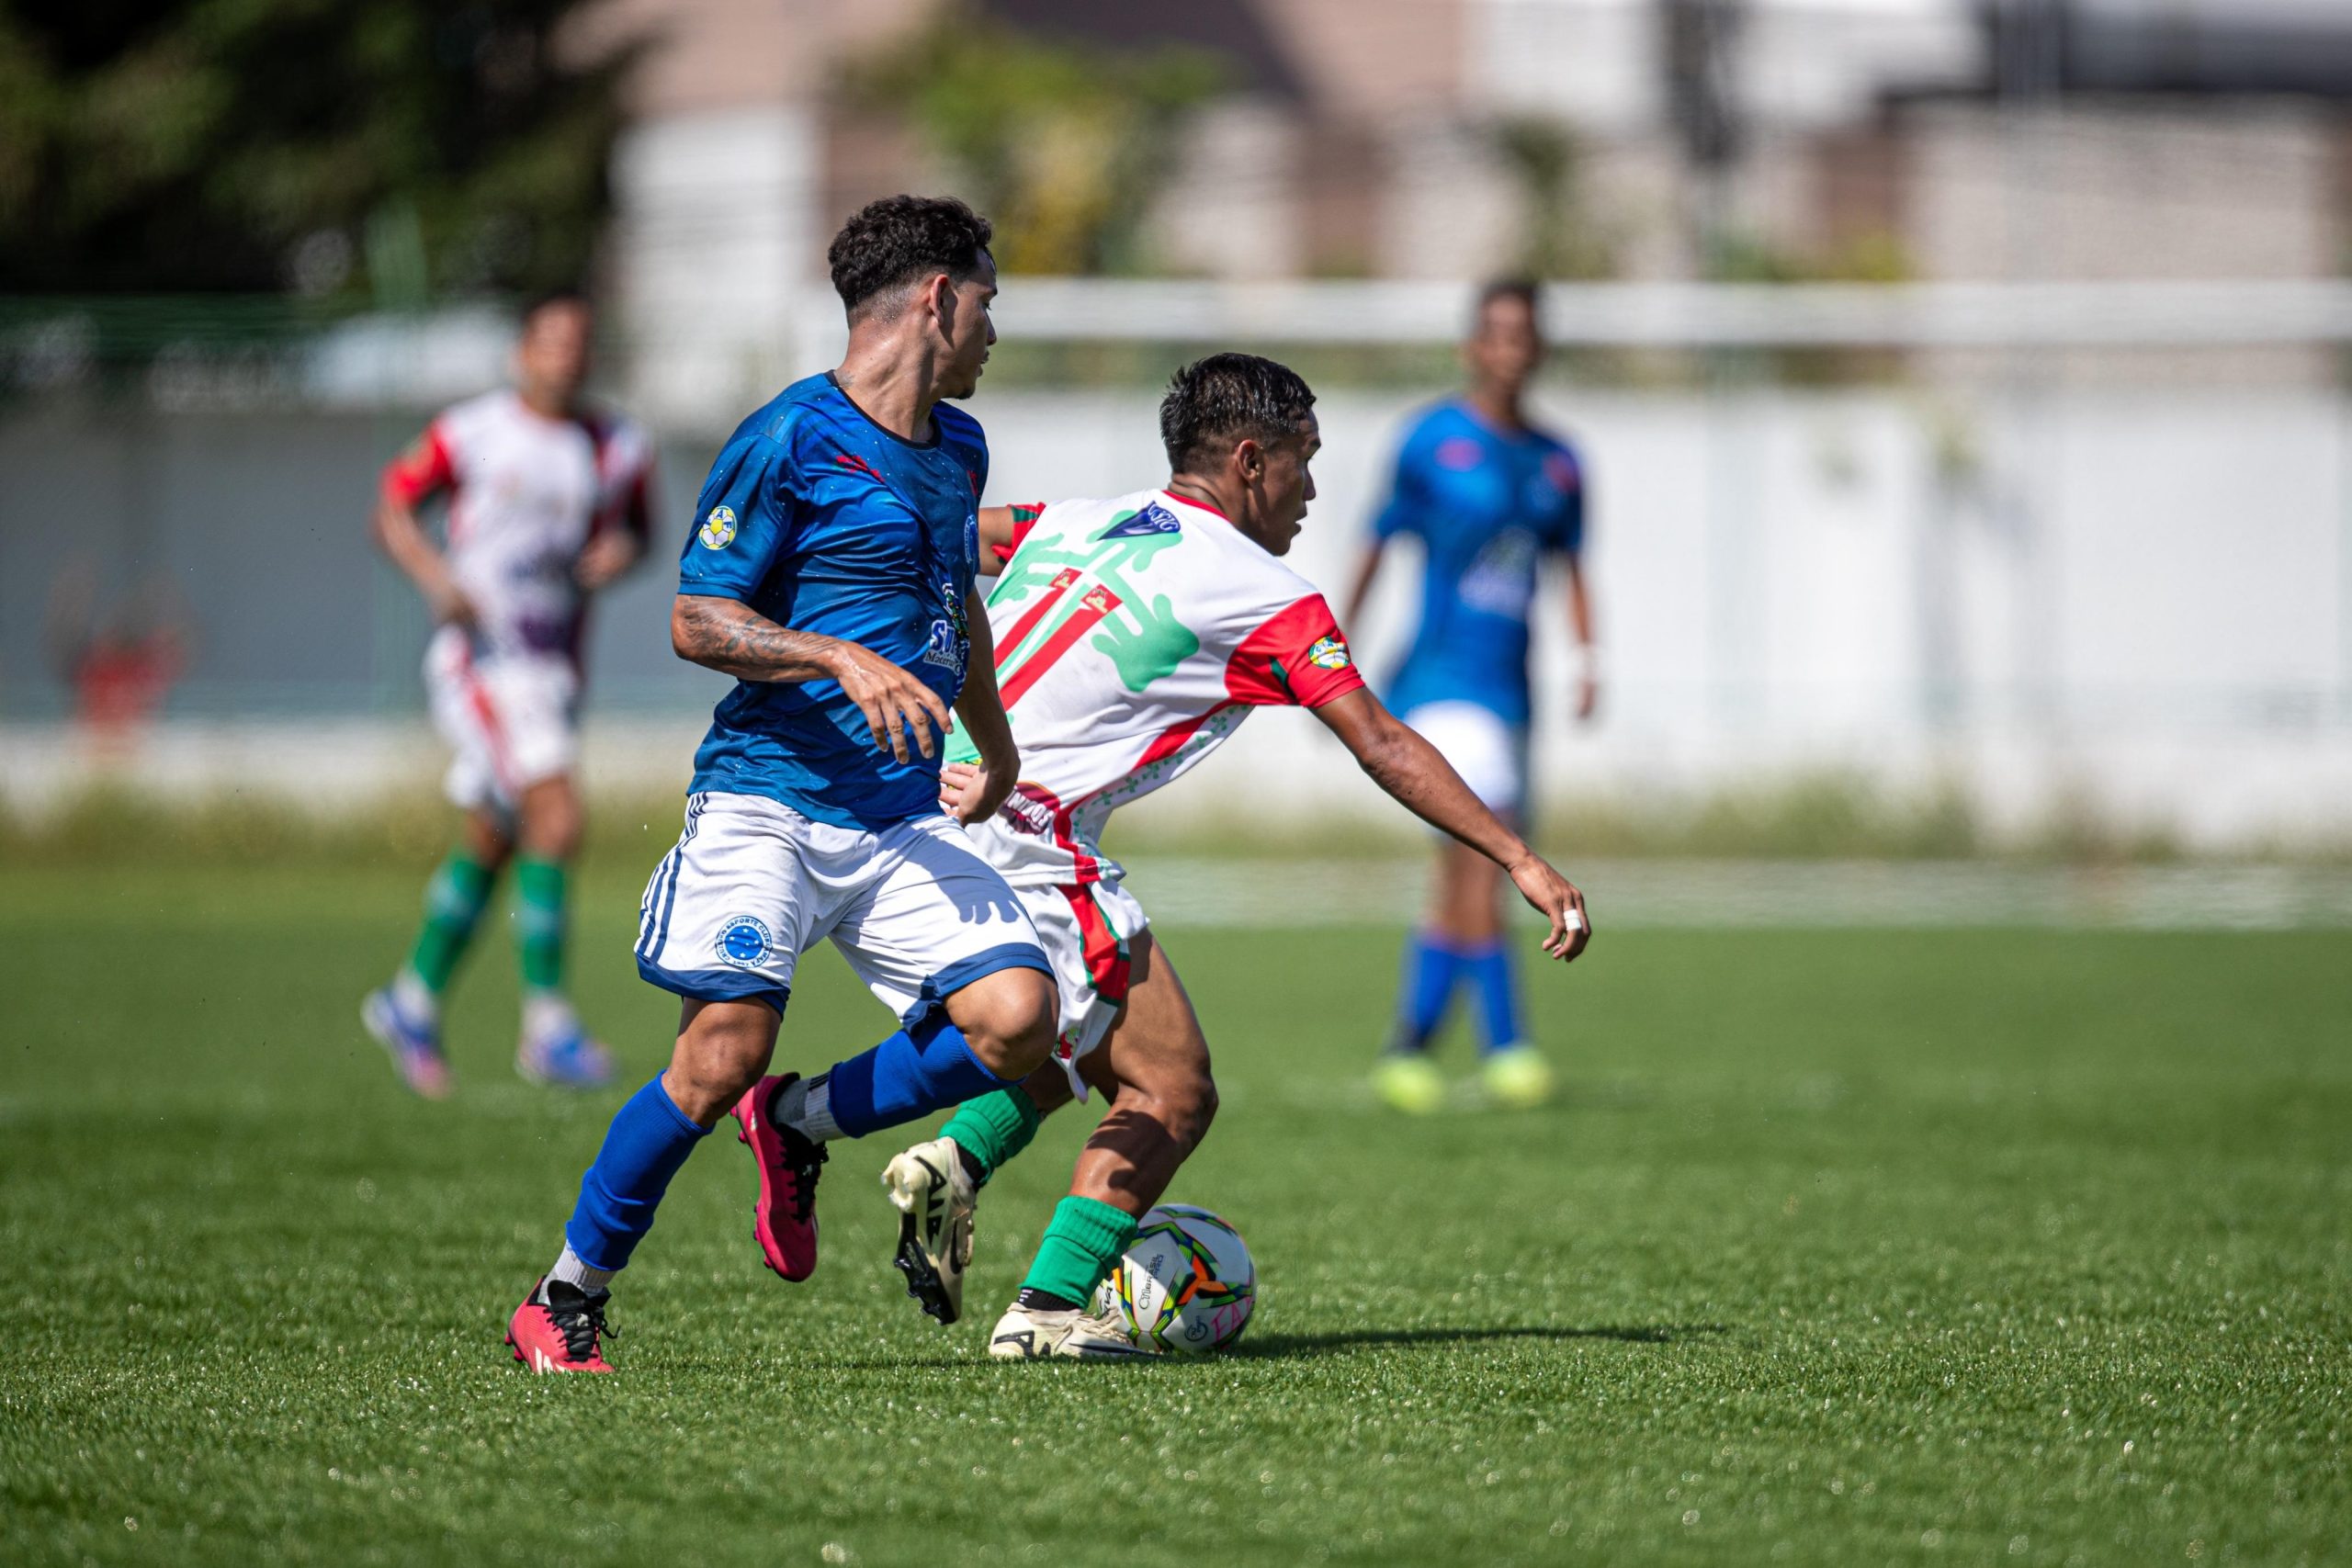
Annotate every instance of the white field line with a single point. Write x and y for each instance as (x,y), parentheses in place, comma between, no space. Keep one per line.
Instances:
(1180,891)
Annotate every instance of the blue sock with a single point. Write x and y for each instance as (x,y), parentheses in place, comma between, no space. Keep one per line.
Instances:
(648,1142)
(1487,965)
(924,1067)
(1431,971)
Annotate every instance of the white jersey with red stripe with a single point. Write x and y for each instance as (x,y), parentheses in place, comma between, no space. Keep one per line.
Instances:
(526,492)
(1132,637)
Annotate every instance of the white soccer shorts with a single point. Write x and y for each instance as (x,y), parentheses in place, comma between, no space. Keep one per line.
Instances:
(1489,754)
(1088,934)
(513,722)
(751,884)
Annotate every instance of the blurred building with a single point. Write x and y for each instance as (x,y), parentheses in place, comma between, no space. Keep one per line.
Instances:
(1767,139)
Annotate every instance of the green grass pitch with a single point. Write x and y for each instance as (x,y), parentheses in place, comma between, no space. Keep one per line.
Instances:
(1978,1246)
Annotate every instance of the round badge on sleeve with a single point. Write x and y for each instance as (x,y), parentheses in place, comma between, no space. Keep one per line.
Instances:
(718,530)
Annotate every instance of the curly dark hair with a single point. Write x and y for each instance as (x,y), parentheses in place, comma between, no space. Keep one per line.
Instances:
(1526,290)
(899,238)
(1213,403)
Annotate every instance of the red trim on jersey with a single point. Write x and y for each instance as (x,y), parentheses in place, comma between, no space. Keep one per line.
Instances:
(1170,740)
(1107,962)
(1035,613)
(1275,665)
(1093,605)
(424,467)
(1024,518)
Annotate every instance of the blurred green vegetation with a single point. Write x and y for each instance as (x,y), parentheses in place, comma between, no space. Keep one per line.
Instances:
(1813,817)
(1062,145)
(393,149)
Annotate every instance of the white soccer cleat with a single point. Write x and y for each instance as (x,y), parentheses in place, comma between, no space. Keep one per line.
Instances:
(1025,1335)
(936,1197)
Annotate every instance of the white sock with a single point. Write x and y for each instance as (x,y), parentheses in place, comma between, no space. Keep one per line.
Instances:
(805,1105)
(414,999)
(546,1013)
(571,1271)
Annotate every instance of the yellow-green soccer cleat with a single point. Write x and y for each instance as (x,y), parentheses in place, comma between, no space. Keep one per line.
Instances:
(1518,1076)
(936,1199)
(1408,1081)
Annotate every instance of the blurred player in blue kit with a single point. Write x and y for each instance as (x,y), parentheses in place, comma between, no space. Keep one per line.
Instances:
(831,572)
(1490,496)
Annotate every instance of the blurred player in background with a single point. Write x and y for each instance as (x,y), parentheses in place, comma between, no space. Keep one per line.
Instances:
(546,504)
(1132,636)
(1489,495)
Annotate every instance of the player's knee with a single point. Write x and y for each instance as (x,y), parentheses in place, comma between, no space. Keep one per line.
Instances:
(551,821)
(1186,1107)
(1007,1019)
(720,1054)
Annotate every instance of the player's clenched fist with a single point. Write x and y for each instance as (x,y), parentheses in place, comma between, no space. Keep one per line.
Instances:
(896,704)
(1556,899)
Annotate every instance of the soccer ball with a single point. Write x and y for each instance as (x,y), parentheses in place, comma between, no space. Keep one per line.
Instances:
(1187,1285)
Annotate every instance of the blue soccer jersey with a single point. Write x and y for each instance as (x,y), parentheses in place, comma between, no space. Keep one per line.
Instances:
(1487,505)
(824,521)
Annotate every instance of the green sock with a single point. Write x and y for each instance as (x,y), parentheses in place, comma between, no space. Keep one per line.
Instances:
(453,903)
(1085,1239)
(994,1128)
(538,920)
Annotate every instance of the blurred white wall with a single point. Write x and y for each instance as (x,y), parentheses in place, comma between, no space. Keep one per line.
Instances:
(2135,599)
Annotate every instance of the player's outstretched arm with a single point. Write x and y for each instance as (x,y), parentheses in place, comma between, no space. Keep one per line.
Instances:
(1587,652)
(981,708)
(996,534)
(1412,772)
(728,635)
(400,535)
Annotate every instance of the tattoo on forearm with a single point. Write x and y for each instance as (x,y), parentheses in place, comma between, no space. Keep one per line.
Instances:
(732,638)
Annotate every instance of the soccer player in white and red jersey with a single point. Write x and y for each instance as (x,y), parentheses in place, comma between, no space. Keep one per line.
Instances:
(547,502)
(1131,635)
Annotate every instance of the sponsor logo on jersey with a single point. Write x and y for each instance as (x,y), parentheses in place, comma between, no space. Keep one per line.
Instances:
(1152,519)
(1330,653)
(1501,580)
(1024,812)
(718,530)
(858,464)
(743,940)
(951,633)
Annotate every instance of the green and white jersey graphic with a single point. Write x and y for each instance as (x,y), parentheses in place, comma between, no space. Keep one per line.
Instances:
(1132,637)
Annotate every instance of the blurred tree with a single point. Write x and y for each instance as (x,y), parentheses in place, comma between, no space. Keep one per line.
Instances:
(1062,145)
(267,145)
(1559,237)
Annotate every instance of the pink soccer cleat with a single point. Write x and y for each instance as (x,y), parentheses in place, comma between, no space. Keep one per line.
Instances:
(414,1045)
(564,1333)
(784,1219)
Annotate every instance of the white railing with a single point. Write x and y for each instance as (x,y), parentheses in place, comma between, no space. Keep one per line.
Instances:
(1690,315)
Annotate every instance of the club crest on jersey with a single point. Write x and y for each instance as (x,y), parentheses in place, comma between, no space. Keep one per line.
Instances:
(743,940)
(1330,653)
(1152,519)
(718,530)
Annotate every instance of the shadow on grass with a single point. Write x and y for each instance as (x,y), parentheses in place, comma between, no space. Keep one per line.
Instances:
(1347,1340)
(1300,1347)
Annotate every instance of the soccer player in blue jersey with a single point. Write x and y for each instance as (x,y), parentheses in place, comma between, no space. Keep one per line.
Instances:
(1490,496)
(831,572)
